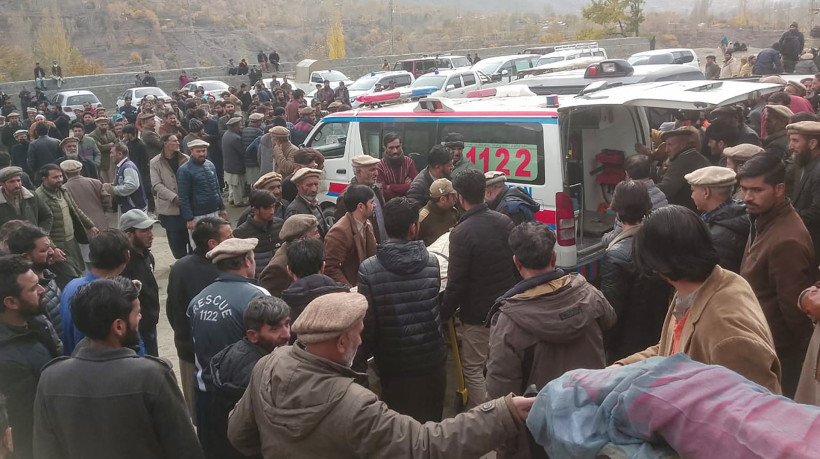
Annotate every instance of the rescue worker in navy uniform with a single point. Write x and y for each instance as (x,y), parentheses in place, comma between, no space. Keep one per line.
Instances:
(513,202)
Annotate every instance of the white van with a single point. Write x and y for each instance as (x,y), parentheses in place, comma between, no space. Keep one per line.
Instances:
(566,59)
(550,151)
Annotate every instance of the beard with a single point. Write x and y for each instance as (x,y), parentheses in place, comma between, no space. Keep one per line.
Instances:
(349,356)
(802,159)
(42,266)
(310,196)
(32,310)
(131,338)
(394,161)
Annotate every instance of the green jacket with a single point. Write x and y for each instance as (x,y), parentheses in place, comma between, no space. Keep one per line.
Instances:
(32,210)
(79,220)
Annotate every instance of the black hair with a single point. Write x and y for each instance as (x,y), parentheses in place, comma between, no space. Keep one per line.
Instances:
(108,249)
(261,199)
(675,242)
(399,213)
(723,131)
(305,256)
(804,116)
(780,98)
(532,243)
(298,94)
(357,194)
(129,129)
(23,239)
(99,303)
(770,167)
(278,111)
(76,124)
(41,129)
(164,138)
(233,263)
(265,310)
(12,267)
(439,155)
(470,185)
(205,230)
(631,201)
(389,137)
(46,169)
(638,167)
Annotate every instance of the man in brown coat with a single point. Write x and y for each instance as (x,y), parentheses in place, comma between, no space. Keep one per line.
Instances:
(365,172)
(714,317)
(283,151)
(88,193)
(351,240)
(778,262)
(275,277)
(549,323)
(804,141)
(328,415)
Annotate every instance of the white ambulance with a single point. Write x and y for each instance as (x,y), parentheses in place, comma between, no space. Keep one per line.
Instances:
(550,150)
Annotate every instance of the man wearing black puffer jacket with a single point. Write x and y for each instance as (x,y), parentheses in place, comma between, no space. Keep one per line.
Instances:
(513,202)
(727,219)
(402,328)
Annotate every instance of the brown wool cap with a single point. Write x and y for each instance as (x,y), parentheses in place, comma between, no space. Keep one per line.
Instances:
(798,86)
(493,177)
(146,115)
(70,139)
(304,173)
(716,176)
(743,152)
(305,111)
(364,161)
(441,187)
(9,172)
(807,128)
(328,316)
(230,248)
(279,131)
(297,226)
(234,120)
(256,117)
(266,179)
(780,111)
(675,133)
(773,79)
(70,166)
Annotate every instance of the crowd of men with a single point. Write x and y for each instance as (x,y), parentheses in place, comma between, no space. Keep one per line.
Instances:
(278,317)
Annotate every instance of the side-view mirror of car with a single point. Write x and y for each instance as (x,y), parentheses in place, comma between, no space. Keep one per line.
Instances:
(450,87)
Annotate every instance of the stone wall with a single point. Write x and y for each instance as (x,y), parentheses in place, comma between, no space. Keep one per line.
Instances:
(108,87)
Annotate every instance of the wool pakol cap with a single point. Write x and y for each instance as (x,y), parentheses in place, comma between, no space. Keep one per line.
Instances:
(197,143)
(234,120)
(256,117)
(9,172)
(230,248)
(71,166)
(304,173)
(711,176)
(441,187)
(267,179)
(493,177)
(12,114)
(279,131)
(798,86)
(328,316)
(297,226)
(20,132)
(807,128)
(773,79)
(364,161)
(743,152)
(305,111)
(675,133)
(69,139)
(101,119)
(780,111)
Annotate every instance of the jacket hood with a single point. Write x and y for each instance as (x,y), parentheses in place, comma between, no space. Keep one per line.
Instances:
(733,217)
(557,311)
(517,197)
(403,257)
(315,284)
(298,389)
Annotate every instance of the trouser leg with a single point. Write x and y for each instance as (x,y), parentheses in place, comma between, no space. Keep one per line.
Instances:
(474,341)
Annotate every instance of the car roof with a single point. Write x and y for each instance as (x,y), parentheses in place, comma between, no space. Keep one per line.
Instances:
(656,52)
(570,52)
(448,72)
(640,73)
(207,81)
(507,57)
(75,92)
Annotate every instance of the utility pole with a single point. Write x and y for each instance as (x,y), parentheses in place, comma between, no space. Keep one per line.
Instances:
(193,37)
(391,26)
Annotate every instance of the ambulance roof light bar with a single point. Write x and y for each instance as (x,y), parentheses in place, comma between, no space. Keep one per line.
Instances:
(432,104)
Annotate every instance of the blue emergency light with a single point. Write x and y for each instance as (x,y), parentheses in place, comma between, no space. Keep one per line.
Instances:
(422,91)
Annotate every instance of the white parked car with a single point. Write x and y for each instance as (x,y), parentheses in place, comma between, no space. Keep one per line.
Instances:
(569,59)
(211,87)
(449,83)
(683,56)
(138,93)
(367,83)
(75,100)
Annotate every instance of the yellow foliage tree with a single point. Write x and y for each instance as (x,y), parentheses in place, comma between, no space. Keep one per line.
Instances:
(336,38)
(15,63)
(53,45)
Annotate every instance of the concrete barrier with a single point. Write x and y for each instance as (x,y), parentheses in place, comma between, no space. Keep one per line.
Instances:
(108,87)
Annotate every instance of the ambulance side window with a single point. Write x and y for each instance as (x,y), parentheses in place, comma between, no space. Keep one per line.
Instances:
(330,139)
(417,138)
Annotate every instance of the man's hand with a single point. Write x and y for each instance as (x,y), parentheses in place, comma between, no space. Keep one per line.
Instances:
(190,224)
(108,188)
(94,231)
(408,180)
(59,255)
(175,201)
(523,406)
(223,214)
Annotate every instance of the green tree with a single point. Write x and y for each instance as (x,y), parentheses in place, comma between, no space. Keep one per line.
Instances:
(626,14)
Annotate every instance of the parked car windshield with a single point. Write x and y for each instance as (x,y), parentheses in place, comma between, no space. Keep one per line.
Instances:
(430,80)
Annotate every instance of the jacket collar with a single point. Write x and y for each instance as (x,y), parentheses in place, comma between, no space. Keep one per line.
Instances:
(302,354)
(761,222)
(627,233)
(527,284)
(703,294)
(475,210)
(686,152)
(27,194)
(231,277)
(101,355)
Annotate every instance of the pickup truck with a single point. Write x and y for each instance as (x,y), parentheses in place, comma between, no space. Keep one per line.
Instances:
(452,83)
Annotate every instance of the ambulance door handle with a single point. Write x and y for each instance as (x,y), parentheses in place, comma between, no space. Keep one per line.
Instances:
(341,171)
